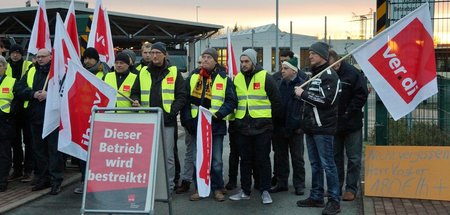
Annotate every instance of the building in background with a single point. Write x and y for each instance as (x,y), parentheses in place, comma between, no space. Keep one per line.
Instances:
(262,39)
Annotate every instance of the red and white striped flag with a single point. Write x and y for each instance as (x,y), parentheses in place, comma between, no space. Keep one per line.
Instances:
(82,91)
(204,152)
(231,62)
(71,26)
(100,36)
(400,62)
(63,51)
(40,35)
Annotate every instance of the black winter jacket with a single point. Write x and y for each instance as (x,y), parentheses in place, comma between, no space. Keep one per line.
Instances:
(321,103)
(36,109)
(254,126)
(292,106)
(353,98)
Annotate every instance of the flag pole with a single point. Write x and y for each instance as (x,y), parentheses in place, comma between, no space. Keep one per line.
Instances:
(359,47)
(126,97)
(23,65)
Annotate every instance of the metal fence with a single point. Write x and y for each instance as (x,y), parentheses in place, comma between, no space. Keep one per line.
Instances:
(429,123)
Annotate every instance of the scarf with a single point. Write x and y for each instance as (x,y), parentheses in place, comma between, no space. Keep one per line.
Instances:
(201,87)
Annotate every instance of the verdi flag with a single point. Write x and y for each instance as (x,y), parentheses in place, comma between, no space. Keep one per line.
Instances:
(40,35)
(400,62)
(71,27)
(231,62)
(100,35)
(63,50)
(204,152)
(82,91)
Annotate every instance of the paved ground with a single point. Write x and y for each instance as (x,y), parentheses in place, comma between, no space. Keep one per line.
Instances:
(19,200)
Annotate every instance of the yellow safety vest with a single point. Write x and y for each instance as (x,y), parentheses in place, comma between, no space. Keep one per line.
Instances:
(30,79)
(24,68)
(168,88)
(6,93)
(125,88)
(99,74)
(141,68)
(252,97)
(218,93)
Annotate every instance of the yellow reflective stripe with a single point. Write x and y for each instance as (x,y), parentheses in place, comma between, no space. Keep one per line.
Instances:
(214,107)
(264,107)
(242,97)
(145,103)
(218,98)
(121,98)
(257,97)
(168,91)
(242,108)
(146,92)
(5,106)
(168,102)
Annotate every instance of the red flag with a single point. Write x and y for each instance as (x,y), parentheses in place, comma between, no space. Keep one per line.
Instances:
(400,62)
(62,52)
(71,26)
(40,35)
(82,91)
(231,62)
(204,151)
(100,35)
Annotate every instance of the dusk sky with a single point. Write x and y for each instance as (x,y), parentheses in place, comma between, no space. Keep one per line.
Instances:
(307,15)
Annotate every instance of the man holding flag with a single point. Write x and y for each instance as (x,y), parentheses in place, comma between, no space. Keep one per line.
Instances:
(319,124)
(49,161)
(210,88)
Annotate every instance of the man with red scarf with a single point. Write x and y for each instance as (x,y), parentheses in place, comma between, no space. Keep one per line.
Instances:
(210,87)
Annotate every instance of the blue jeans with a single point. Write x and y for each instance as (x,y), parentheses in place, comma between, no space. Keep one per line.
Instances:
(216,164)
(352,144)
(321,157)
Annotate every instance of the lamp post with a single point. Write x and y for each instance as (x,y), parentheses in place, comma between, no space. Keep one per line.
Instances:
(253,34)
(277,59)
(196,11)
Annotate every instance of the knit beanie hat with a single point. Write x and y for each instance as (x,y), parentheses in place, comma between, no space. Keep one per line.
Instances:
(160,46)
(321,49)
(250,53)
(123,57)
(16,48)
(131,54)
(91,53)
(291,63)
(212,52)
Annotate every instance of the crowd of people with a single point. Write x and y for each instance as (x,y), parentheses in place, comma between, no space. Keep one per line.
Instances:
(260,112)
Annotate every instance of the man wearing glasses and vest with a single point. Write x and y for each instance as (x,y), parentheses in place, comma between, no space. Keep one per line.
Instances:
(22,168)
(210,88)
(258,102)
(33,90)
(162,85)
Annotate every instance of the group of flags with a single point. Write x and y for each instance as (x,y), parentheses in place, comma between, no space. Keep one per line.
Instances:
(399,63)
(67,76)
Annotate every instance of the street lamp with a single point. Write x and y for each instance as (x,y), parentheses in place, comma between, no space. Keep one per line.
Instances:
(196,11)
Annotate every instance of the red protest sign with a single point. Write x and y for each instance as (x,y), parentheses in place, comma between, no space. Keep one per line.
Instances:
(119,156)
